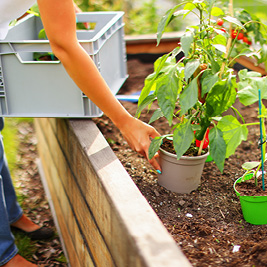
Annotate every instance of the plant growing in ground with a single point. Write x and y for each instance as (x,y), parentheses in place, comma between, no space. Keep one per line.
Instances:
(203,83)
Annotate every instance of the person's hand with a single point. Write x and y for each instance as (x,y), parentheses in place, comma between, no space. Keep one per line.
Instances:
(138,135)
(78,10)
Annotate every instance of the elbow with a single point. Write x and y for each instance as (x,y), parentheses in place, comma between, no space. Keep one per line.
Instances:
(62,48)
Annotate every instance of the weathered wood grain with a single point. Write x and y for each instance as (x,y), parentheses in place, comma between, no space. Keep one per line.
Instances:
(107,220)
(62,179)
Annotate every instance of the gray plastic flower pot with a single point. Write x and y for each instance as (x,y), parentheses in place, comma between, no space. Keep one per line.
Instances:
(183,175)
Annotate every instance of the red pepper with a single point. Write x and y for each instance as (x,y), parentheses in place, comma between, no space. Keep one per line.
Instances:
(206,141)
(240,36)
(220,22)
(234,34)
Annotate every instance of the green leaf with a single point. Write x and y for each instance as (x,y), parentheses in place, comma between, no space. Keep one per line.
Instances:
(167,91)
(207,82)
(154,146)
(161,62)
(180,13)
(220,40)
(189,96)
(221,48)
(215,67)
(150,80)
(30,11)
(217,147)
(156,115)
(248,90)
(144,103)
(189,6)
(210,5)
(186,41)
(263,54)
(233,133)
(42,34)
(164,22)
(221,97)
(183,136)
(248,95)
(234,21)
(216,11)
(244,74)
(250,165)
(190,68)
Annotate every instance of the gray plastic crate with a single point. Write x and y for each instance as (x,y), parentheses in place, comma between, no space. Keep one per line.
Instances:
(30,88)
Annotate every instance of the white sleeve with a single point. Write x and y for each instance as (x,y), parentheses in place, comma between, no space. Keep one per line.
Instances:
(10,10)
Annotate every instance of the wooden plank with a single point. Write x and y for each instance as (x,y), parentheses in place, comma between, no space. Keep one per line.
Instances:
(90,231)
(75,242)
(99,201)
(147,43)
(134,221)
(251,64)
(50,178)
(95,199)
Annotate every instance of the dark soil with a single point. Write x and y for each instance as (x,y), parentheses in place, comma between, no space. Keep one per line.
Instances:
(208,223)
(192,150)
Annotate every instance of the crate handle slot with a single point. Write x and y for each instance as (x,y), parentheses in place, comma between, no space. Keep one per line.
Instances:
(24,52)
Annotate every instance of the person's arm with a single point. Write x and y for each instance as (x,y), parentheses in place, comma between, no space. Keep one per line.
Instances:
(59,21)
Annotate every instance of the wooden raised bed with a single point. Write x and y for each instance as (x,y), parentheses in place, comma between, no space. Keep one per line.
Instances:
(147,45)
(102,217)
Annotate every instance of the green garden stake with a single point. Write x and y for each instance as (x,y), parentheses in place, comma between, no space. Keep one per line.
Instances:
(261,142)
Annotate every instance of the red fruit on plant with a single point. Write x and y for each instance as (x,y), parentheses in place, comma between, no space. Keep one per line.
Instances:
(234,34)
(245,39)
(206,141)
(205,145)
(240,36)
(223,29)
(220,22)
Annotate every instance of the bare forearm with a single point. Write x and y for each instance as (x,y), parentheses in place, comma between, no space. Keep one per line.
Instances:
(84,73)
(60,27)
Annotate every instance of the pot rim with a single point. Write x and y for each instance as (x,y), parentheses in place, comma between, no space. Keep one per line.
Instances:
(238,180)
(184,157)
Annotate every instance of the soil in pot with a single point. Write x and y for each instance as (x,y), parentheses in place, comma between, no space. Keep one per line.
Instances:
(248,188)
(192,151)
(207,224)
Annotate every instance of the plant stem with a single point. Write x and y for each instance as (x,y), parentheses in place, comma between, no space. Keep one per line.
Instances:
(251,124)
(263,144)
(202,143)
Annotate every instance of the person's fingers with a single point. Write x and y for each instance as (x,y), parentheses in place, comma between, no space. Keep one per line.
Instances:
(140,140)
(154,162)
(154,133)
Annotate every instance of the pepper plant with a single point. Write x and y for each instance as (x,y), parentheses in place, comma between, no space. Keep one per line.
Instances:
(202,83)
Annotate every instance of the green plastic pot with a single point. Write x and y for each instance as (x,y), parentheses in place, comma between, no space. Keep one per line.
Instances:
(209,158)
(254,208)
